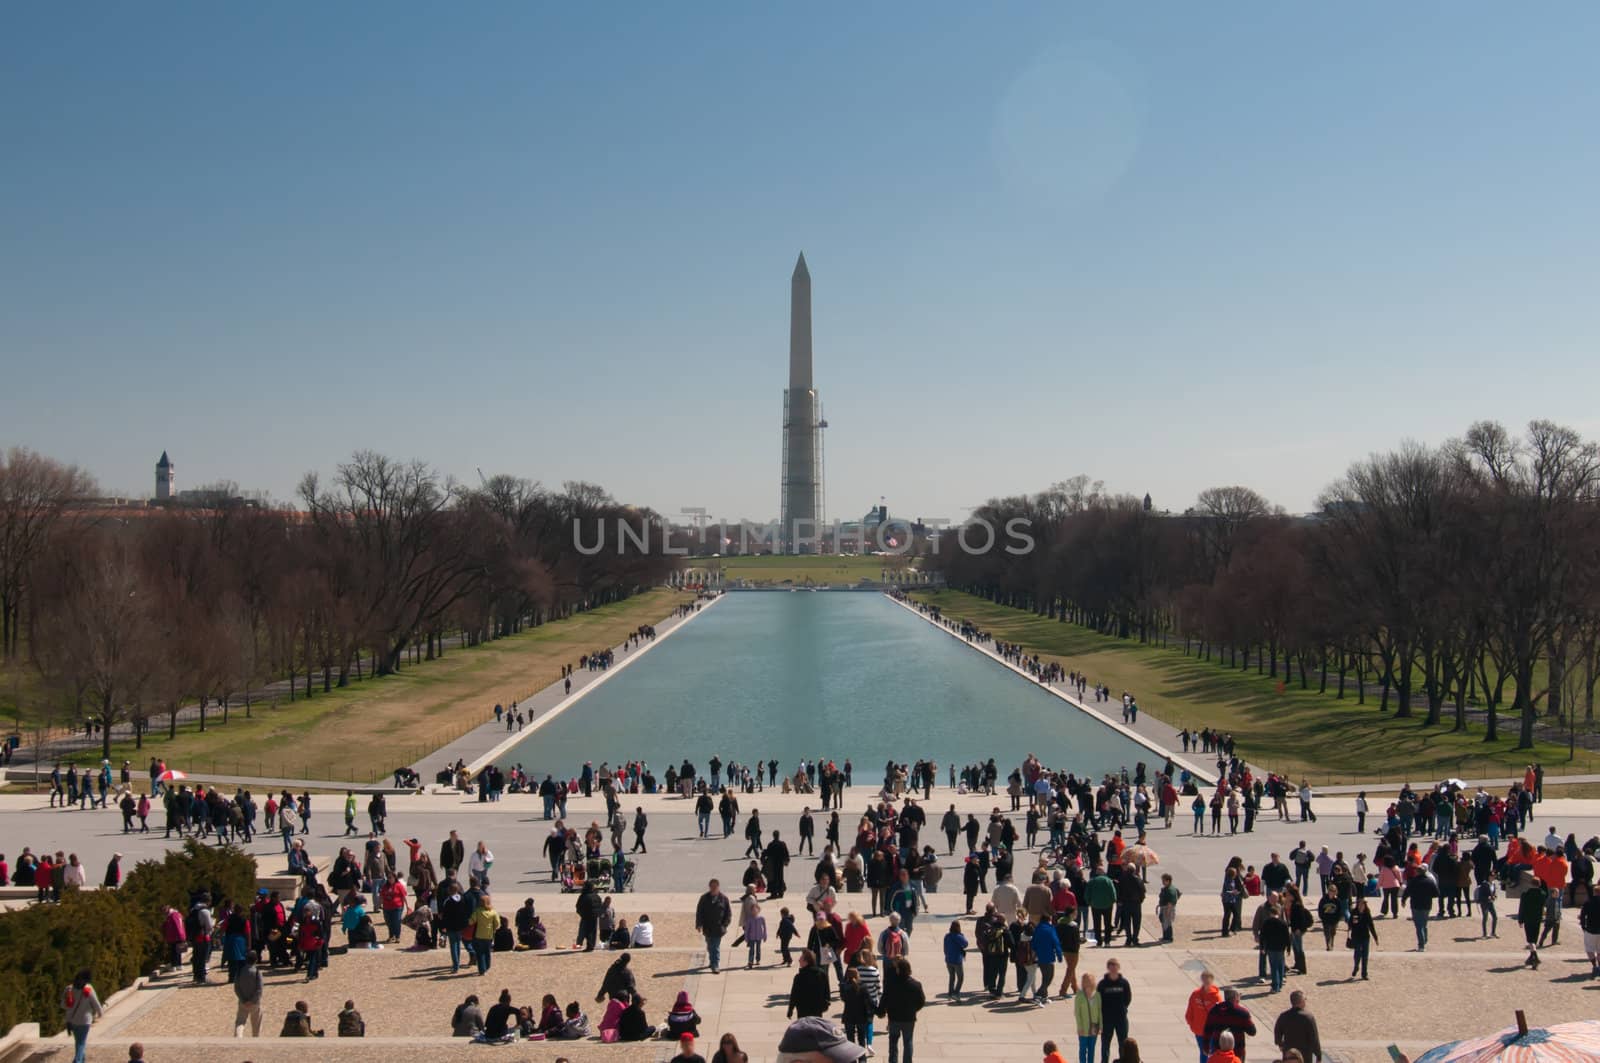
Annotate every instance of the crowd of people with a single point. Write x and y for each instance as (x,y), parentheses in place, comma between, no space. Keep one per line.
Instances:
(1084,885)
(1087,883)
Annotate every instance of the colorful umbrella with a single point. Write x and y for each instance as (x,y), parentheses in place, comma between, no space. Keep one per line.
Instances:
(1138,855)
(171,775)
(1577,1042)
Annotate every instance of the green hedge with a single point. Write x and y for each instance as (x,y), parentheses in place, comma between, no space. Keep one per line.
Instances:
(116,934)
(222,871)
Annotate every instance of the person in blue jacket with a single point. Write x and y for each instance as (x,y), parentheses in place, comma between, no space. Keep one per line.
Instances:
(955,959)
(1046,953)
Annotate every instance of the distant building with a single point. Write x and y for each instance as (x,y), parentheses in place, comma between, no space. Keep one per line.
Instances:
(164,478)
(207,496)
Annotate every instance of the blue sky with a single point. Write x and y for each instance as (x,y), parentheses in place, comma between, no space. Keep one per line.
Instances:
(1170,245)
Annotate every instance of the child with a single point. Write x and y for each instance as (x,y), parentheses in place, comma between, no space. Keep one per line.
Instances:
(421,919)
(1484,895)
(1552,917)
(786,934)
(1167,906)
(755,932)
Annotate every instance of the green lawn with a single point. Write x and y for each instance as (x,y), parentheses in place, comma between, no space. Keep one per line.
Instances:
(363,732)
(1301,732)
(832,570)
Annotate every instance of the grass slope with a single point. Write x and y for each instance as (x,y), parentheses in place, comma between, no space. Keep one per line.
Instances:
(361,733)
(1300,732)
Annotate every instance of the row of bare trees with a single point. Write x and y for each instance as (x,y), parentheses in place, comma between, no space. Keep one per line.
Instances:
(1460,579)
(133,615)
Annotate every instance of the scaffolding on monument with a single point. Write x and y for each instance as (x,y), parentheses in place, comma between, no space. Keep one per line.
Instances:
(818,494)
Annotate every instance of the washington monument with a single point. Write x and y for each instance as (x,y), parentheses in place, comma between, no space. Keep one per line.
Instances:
(802,509)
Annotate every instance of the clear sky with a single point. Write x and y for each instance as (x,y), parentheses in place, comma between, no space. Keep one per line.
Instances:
(1170,245)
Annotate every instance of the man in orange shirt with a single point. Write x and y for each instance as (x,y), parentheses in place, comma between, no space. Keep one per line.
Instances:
(1051,1055)
(1554,873)
(1539,860)
(1201,1002)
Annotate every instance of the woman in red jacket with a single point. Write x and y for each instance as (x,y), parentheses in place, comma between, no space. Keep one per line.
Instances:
(393,899)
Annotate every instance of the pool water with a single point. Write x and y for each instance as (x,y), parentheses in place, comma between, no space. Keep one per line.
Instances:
(783,675)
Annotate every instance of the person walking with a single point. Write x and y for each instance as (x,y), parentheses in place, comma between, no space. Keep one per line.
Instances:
(990,932)
(971,880)
(1421,892)
(1296,1030)
(712,914)
(247,988)
(809,996)
(485,921)
(1484,894)
(1275,940)
(955,960)
(454,915)
(1232,1018)
(1088,1018)
(1530,913)
(702,812)
(640,823)
(1363,935)
(1205,997)
(589,906)
(902,999)
(198,926)
(81,1007)
(1101,894)
(1116,995)
(903,901)
(452,853)
(951,825)
(753,925)
(1046,953)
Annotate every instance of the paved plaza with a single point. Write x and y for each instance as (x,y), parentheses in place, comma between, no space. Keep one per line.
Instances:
(1462,985)
(407,997)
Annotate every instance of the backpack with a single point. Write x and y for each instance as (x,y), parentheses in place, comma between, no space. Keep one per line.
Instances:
(191,925)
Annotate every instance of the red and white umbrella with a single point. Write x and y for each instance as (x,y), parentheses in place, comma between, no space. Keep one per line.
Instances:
(1140,855)
(1565,1042)
(171,775)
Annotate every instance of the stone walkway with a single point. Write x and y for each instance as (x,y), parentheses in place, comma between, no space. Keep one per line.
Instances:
(406,996)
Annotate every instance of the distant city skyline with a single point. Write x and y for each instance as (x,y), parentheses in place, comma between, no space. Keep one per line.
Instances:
(1168,247)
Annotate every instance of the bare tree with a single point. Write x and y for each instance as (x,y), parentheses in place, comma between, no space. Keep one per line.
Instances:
(97,640)
(1224,512)
(1535,500)
(35,493)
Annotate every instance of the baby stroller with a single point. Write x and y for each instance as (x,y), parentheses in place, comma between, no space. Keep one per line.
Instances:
(574,874)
